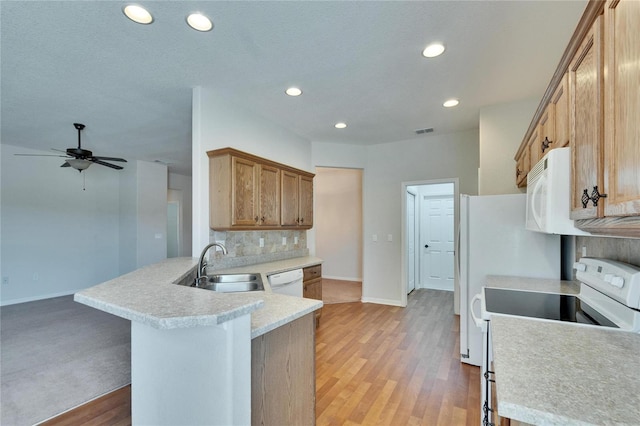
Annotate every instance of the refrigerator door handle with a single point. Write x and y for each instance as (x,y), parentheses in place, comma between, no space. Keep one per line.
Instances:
(479,322)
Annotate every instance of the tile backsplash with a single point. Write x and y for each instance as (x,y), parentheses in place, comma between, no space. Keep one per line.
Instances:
(243,247)
(621,249)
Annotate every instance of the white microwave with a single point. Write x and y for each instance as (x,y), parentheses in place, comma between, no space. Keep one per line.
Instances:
(549,195)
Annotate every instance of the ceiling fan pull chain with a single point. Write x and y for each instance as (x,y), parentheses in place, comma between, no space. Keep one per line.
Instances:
(84,181)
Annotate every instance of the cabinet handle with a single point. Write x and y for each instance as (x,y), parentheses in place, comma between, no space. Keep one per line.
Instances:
(596,195)
(256,218)
(585,198)
(545,143)
(262,219)
(302,220)
(518,172)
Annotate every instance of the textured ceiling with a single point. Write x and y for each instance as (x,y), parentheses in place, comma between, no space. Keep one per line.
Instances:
(358,62)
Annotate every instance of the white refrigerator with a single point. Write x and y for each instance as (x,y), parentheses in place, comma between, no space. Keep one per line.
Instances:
(493,241)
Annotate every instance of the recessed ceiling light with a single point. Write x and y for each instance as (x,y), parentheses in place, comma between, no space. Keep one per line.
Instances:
(433,50)
(341,125)
(137,14)
(199,22)
(450,103)
(293,91)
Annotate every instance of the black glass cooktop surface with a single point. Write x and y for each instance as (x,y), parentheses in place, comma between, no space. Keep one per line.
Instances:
(549,306)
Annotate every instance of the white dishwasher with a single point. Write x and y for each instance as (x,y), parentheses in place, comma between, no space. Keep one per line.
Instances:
(289,282)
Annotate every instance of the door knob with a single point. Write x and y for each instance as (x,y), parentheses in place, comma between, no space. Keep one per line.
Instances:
(426,246)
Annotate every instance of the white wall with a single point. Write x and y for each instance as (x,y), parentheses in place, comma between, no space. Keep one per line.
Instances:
(151,181)
(502,128)
(386,166)
(182,183)
(218,123)
(338,222)
(56,238)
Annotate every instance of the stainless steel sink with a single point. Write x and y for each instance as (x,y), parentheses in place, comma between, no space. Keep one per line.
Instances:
(230,283)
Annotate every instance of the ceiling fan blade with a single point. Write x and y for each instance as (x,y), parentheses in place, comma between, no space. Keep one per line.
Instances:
(102,163)
(110,159)
(40,155)
(59,150)
(65,164)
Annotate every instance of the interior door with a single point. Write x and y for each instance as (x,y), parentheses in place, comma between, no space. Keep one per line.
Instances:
(437,242)
(411,242)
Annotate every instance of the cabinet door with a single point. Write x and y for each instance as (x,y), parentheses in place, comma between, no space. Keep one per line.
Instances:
(269,196)
(535,153)
(244,192)
(560,102)
(547,136)
(289,205)
(586,123)
(622,111)
(306,201)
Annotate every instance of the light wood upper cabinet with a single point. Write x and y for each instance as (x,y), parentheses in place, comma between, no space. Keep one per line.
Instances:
(535,152)
(622,108)
(269,196)
(560,102)
(547,137)
(586,85)
(297,200)
(248,192)
(244,192)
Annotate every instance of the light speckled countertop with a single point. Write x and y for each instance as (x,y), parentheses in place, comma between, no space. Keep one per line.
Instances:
(151,296)
(556,373)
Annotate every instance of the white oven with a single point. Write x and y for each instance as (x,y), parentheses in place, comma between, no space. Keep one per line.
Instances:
(609,297)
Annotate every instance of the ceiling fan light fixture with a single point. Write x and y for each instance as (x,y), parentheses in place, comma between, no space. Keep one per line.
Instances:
(199,22)
(79,164)
(137,14)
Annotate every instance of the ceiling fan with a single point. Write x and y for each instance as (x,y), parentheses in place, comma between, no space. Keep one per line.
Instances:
(79,158)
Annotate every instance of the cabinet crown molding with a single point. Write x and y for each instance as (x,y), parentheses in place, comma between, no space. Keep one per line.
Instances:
(241,154)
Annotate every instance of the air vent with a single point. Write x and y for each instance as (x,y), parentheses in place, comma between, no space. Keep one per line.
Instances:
(422,131)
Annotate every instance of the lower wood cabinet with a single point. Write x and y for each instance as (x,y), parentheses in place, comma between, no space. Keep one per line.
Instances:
(312,286)
(283,375)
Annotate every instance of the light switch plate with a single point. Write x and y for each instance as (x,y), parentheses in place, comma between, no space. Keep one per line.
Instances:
(284,241)
(374,237)
(261,242)
(389,237)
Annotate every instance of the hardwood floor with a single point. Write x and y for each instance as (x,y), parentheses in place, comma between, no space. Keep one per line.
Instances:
(375,365)
(387,365)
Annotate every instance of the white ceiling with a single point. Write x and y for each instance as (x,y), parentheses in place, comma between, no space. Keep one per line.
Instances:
(356,61)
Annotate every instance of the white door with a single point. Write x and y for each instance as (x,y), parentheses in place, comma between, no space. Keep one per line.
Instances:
(411,242)
(437,242)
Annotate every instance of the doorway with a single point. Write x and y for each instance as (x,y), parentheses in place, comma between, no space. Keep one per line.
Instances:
(430,216)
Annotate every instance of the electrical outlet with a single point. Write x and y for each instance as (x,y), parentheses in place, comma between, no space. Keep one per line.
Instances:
(389,237)
(5,280)
(374,238)
(261,242)
(584,251)
(295,240)
(284,241)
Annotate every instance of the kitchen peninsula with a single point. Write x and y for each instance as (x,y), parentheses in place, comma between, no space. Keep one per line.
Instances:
(191,349)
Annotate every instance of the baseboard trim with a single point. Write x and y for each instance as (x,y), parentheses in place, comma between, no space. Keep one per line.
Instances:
(34,298)
(333,277)
(375,300)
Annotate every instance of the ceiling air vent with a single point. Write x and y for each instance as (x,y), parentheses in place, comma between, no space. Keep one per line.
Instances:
(422,131)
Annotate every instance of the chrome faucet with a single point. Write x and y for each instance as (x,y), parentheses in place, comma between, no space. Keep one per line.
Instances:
(202,264)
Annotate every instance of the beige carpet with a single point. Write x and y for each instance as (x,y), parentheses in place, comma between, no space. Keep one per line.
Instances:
(57,354)
(338,291)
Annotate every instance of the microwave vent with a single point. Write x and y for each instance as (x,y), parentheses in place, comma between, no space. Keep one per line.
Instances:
(537,170)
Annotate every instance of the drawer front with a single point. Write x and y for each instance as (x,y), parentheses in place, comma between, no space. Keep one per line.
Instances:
(312,272)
